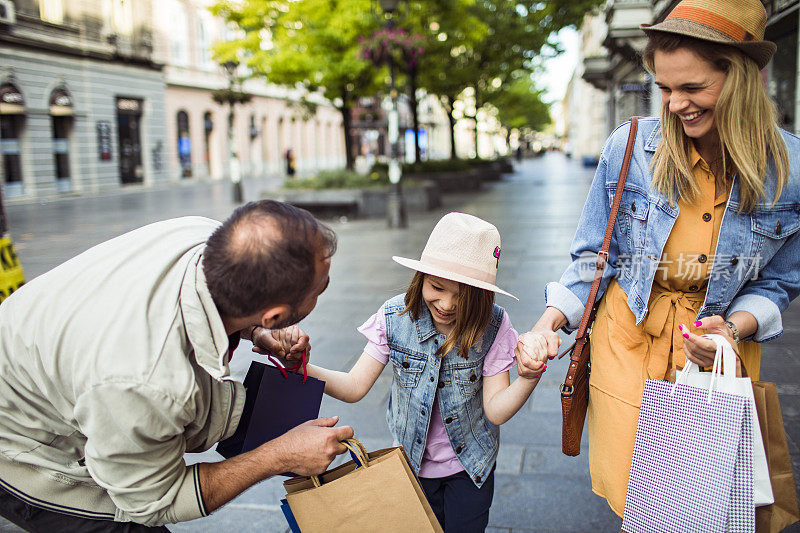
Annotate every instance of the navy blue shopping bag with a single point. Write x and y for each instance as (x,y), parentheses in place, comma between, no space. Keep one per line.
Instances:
(276,401)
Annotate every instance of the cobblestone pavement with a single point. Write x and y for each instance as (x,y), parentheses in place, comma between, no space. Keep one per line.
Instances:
(536,210)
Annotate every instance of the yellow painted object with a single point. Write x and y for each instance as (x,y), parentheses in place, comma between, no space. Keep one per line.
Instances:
(11,275)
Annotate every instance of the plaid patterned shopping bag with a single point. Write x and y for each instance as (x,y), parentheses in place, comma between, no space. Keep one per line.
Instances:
(692,463)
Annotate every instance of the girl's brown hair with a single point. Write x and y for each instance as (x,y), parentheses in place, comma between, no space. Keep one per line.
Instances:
(473,309)
(745,118)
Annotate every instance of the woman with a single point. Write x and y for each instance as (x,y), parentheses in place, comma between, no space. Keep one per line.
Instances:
(706,237)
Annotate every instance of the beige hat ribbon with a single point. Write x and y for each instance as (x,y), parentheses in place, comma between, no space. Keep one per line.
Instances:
(458,268)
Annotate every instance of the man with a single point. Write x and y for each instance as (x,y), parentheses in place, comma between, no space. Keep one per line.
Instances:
(115,363)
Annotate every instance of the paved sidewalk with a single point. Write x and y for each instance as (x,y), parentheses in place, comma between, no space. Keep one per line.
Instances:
(536,210)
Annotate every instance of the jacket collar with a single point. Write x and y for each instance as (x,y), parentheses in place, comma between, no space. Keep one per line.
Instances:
(202,322)
(654,138)
(425,327)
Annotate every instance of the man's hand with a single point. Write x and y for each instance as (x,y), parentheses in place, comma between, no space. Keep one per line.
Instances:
(309,448)
(285,344)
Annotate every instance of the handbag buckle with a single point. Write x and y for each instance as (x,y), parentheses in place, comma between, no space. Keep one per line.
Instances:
(566,390)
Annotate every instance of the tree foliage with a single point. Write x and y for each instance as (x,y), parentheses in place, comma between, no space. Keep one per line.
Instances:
(480,45)
(310,44)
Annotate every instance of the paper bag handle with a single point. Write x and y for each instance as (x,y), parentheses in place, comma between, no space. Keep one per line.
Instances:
(357,451)
(724,357)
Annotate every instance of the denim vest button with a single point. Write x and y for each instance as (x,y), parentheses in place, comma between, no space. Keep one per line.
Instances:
(473,377)
(633,208)
(734,260)
(459,448)
(448,419)
(405,364)
(477,479)
(422,411)
(419,441)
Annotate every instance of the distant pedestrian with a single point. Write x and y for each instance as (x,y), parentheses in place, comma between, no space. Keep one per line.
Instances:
(116,363)
(450,348)
(706,239)
(290,163)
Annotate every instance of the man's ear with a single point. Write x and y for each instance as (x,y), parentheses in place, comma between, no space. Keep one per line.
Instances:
(275,315)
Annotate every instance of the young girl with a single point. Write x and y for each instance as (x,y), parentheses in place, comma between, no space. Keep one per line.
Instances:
(450,349)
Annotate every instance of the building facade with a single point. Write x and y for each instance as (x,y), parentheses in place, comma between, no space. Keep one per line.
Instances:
(81,97)
(264,129)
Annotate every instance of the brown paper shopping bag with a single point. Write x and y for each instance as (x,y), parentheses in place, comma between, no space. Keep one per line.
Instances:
(784,512)
(383,496)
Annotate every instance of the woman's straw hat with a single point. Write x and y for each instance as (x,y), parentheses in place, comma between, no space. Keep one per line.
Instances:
(737,23)
(461,248)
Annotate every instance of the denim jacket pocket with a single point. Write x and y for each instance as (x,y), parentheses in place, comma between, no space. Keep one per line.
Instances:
(777,222)
(469,379)
(407,367)
(632,215)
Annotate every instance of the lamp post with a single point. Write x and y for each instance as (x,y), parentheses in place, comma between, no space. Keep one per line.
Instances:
(233,158)
(395,206)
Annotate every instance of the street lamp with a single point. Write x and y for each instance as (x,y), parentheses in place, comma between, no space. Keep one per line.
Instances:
(395,206)
(233,158)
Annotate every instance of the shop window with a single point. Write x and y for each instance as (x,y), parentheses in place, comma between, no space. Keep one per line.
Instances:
(12,120)
(52,11)
(208,127)
(184,145)
(61,113)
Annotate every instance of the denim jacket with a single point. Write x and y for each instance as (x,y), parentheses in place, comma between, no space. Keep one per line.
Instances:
(757,261)
(418,374)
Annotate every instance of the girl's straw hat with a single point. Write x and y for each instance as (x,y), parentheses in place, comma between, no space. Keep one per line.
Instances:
(461,248)
(737,23)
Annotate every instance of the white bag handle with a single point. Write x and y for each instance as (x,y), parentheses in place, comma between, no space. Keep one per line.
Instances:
(724,356)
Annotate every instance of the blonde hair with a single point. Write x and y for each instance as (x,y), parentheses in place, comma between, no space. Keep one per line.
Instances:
(745,119)
(473,309)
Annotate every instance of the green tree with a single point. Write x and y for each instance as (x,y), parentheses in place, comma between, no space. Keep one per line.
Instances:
(519,106)
(312,44)
(483,44)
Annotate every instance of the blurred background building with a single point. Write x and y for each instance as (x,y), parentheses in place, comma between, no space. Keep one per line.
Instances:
(81,97)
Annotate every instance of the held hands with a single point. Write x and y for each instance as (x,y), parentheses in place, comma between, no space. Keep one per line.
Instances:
(700,350)
(285,344)
(309,448)
(533,350)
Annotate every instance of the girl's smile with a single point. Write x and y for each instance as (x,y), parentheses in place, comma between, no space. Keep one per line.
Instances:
(441,297)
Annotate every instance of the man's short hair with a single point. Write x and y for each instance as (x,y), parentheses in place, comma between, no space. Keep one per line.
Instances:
(264,254)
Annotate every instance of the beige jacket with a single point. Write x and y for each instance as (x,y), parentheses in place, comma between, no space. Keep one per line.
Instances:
(112,366)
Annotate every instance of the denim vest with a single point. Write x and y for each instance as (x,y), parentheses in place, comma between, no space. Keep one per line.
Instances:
(756,266)
(418,375)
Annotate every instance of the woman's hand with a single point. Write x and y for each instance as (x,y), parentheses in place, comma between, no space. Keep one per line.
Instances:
(287,344)
(532,354)
(700,350)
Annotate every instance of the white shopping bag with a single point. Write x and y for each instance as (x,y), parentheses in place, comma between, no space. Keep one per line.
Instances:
(726,381)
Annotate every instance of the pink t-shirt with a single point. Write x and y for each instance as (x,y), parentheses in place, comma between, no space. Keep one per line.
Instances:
(439,459)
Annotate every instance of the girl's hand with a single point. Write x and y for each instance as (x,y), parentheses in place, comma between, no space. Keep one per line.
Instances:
(285,344)
(700,350)
(532,354)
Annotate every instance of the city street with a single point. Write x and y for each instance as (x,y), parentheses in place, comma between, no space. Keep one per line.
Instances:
(536,210)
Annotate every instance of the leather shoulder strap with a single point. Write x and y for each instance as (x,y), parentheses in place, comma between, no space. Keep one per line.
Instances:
(602,256)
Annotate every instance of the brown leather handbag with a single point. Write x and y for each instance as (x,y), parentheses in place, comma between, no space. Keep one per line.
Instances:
(575,389)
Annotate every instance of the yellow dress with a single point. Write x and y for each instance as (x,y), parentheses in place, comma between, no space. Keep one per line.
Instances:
(625,354)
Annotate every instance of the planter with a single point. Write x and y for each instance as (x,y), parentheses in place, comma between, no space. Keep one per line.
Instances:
(355,203)
(454,180)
